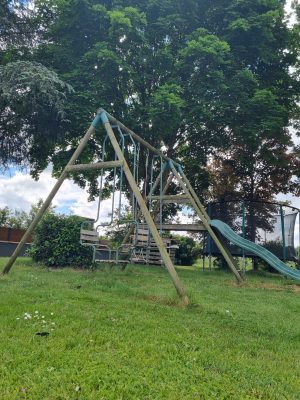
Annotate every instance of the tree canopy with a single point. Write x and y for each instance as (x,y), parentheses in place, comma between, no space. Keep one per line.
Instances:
(32,104)
(215,84)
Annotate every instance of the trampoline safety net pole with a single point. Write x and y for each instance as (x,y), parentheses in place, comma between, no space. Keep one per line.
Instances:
(283,233)
(244,234)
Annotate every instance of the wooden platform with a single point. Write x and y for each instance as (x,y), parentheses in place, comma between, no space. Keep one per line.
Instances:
(145,250)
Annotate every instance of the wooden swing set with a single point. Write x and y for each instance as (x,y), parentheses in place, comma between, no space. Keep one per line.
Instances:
(146,208)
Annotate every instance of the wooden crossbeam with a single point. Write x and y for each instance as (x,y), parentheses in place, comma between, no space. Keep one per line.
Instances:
(179,227)
(89,167)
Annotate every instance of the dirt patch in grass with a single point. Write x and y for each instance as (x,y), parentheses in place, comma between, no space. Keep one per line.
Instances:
(172,302)
(294,288)
(267,286)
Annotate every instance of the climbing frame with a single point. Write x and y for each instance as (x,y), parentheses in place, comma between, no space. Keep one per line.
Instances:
(175,171)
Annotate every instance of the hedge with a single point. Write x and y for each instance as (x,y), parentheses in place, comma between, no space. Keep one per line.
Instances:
(56,242)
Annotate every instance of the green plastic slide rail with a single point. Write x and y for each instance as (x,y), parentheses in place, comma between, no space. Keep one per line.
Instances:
(254,248)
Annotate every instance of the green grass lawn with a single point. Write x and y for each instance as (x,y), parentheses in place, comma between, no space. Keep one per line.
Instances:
(124,335)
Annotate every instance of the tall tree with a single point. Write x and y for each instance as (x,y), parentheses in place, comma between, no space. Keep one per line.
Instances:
(199,79)
(32,97)
(263,160)
(32,114)
(17,30)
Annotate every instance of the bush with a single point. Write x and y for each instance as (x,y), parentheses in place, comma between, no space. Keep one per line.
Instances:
(56,242)
(188,251)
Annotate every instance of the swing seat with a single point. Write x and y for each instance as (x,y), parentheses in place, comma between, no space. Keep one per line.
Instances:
(103,252)
(104,255)
(89,237)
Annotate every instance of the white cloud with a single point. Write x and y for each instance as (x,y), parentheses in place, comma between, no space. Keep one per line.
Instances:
(20,191)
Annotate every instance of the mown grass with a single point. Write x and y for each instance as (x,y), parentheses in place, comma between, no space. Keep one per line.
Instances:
(124,335)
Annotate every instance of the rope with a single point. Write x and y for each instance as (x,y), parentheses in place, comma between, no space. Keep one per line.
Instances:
(161,196)
(146,174)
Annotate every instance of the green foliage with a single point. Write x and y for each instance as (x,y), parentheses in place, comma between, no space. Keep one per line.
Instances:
(32,112)
(188,251)
(4,216)
(20,219)
(17,29)
(56,242)
(117,230)
(167,109)
(17,219)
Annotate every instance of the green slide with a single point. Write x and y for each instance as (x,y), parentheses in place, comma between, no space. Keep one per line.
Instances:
(260,251)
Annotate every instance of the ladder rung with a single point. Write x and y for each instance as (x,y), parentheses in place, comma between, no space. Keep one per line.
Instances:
(89,233)
(178,198)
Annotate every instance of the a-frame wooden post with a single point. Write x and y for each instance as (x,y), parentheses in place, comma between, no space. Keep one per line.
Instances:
(52,194)
(156,236)
(200,210)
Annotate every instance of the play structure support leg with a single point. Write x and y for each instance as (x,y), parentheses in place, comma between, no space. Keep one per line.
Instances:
(50,197)
(220,242)
(164,254)
(205,218)
(194,195)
